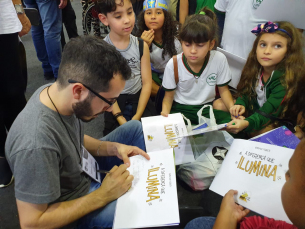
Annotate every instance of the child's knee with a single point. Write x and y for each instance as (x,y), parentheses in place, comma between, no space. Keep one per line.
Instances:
(219,105)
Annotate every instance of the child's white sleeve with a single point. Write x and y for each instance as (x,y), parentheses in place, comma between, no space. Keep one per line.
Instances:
(178,46)
(169,83)
(224,75)
(221,5)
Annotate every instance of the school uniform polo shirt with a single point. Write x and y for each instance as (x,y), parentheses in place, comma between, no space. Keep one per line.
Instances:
(197,88)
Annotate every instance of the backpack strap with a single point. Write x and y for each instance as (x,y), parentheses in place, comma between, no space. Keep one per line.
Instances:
(141,46)
(286,122)
(176,69)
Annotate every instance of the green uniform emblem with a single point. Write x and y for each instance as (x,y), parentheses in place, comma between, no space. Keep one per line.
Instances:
(256,3)
(211,79)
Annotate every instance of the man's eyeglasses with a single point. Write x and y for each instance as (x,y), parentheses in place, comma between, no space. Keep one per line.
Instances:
(95,93)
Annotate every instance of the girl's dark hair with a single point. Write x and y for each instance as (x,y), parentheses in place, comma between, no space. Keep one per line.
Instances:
(292,64)
(170,30)
(106,6)
(200,28)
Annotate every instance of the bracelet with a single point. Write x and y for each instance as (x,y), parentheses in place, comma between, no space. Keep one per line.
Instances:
(118,115)
(98,148)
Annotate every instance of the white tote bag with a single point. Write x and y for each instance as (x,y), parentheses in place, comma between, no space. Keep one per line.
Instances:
(209,151)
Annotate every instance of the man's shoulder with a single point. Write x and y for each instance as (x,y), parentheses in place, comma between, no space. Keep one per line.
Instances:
(34,127)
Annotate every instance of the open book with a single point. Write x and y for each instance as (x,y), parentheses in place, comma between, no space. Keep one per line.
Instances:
(152,199)
(257,171)
(158,133)
(171,132)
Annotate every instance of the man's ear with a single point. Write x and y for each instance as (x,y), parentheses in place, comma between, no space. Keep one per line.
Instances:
(103,19)
(79,91)
(212,44)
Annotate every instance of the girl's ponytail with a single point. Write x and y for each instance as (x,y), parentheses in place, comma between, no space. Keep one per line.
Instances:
(200,28)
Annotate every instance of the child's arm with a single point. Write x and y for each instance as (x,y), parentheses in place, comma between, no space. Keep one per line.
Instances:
(183,10)
(226,96)
(146,83)
(167,102)
(230,213)
(115,110)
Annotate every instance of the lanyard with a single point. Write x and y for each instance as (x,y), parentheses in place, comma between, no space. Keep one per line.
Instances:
(80,142)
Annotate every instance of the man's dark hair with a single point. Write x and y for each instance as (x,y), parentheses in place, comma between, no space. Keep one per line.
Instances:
(91,61)
(107,6)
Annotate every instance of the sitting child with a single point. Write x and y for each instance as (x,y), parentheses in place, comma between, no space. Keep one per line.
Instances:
(200,70)
(158,29)
(270,75)
(293,200)
(134,102)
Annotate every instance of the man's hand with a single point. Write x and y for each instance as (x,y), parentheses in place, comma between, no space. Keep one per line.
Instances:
(116,183)
(124,152)
(237,110)
(26,24)
(62,4)
(237,125)
(148,36)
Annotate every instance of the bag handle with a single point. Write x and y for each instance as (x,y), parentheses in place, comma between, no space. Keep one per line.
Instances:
(176,68)
(200,117)
(212,116)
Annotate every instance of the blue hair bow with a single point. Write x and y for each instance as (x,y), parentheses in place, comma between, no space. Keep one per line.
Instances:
(268,27)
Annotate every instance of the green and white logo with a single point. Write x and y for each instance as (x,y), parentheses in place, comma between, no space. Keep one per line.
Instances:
(211,79)
(257,3)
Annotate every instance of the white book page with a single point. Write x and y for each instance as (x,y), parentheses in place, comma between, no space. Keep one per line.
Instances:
(152,200)
(258,190)
(158,133)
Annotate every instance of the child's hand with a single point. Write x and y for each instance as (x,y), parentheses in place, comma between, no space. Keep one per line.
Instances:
(230,212)
(237,125)
(148,36)
(165,114)
(237,110)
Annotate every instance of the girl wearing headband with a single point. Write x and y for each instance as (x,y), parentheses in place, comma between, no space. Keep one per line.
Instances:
(158,29)
(200,70)
(272,71)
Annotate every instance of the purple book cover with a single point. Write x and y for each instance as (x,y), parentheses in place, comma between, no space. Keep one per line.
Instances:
(279,137)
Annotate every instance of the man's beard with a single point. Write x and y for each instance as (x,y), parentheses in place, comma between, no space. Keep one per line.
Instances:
(83,109)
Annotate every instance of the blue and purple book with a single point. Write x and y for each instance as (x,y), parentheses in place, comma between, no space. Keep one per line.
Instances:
(279,137)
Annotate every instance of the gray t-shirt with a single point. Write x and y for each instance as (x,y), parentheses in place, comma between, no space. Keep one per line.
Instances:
(157,62)
(132,55)
(44,160)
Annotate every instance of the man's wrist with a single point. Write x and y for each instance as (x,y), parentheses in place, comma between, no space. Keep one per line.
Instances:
(112,148)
